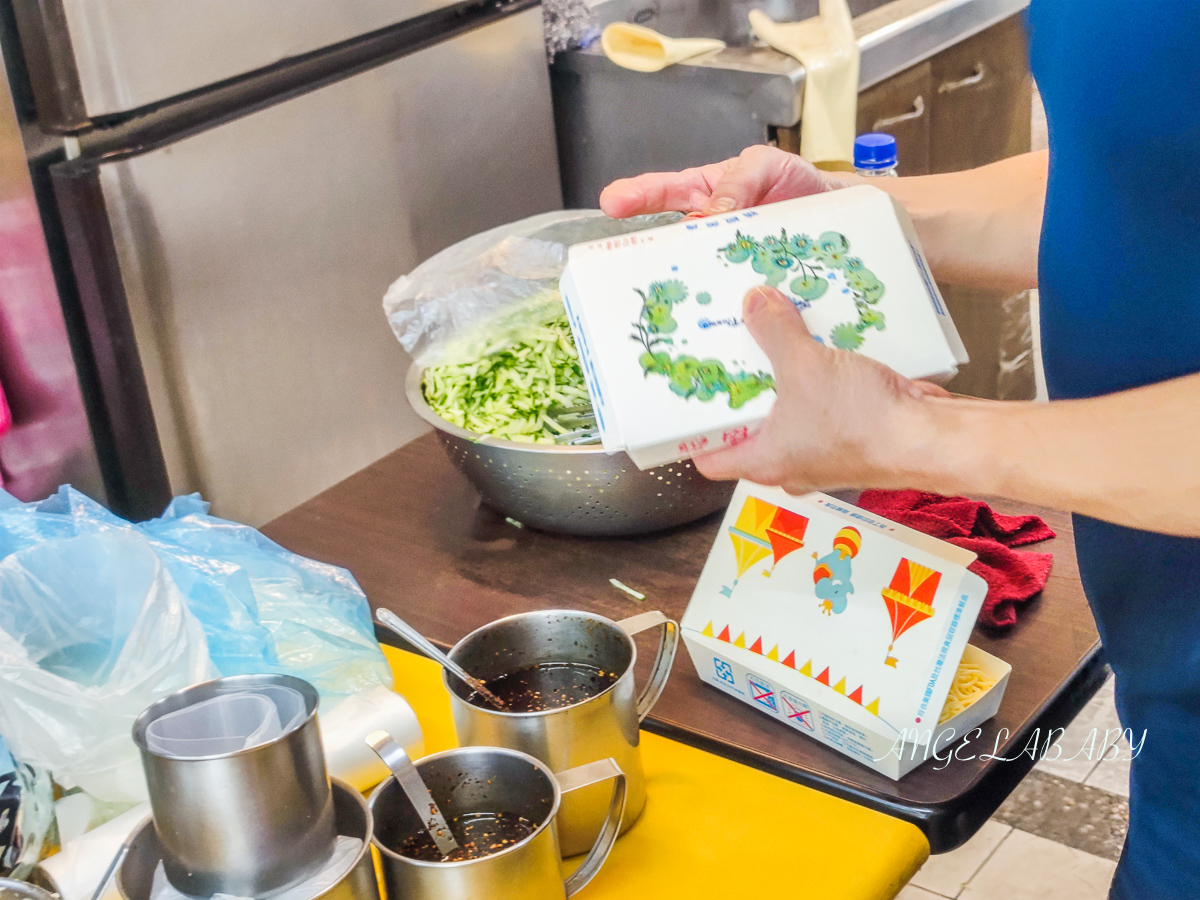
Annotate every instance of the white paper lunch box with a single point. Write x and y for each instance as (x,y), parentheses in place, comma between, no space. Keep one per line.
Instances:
(657,315)
(844,625)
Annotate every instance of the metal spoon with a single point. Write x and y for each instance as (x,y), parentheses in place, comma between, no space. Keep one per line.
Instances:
(391,620)
(414,788)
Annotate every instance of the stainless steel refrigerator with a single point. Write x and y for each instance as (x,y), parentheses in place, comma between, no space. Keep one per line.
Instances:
(239,183)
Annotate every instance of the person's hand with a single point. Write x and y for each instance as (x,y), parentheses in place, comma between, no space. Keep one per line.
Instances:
(759,175)
(840,420)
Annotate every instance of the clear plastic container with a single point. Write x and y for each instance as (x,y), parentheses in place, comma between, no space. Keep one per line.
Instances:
(226,723)
(875,155)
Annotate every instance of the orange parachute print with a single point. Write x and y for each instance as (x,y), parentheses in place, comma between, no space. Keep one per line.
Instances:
(763,529)
(909,599)
(786,533)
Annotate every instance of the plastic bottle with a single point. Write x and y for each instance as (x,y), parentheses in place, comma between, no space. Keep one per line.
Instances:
(875,155)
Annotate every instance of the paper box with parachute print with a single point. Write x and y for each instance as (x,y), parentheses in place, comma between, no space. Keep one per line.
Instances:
(840,623)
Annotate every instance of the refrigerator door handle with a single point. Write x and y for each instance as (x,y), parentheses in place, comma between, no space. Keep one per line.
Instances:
(131,456)
(50,60)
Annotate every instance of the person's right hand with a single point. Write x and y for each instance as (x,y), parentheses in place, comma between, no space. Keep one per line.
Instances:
(761,174)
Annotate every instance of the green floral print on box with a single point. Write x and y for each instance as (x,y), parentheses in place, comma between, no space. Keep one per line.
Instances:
(688,376)
(778,257)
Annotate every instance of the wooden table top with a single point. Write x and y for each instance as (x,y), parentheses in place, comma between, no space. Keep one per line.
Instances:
(411,530)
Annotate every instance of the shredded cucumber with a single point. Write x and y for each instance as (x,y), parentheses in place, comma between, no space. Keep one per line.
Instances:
(509,392)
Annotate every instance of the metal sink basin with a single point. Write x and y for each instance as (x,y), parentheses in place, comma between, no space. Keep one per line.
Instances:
(613,123)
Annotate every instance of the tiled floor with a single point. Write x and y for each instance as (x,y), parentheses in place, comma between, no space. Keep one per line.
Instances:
(1088,754)
(1059,834)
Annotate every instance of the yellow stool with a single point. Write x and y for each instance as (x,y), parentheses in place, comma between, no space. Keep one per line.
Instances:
(716,828)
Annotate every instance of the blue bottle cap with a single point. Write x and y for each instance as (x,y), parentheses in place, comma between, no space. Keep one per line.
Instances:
(874,151)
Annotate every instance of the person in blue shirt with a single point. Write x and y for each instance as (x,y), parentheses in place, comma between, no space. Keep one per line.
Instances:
(1107,225)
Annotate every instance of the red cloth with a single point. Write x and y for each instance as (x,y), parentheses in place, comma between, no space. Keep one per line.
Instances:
(1012,577)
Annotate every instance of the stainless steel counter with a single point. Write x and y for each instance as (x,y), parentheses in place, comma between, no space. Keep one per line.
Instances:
(613,123)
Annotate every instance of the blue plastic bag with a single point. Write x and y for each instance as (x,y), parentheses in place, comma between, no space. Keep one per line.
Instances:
(265,609)
(99,617)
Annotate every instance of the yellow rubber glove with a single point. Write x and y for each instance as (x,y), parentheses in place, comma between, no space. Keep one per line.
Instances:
(645,50)
(827,47)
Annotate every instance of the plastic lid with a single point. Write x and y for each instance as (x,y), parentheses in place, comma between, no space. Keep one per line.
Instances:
(874,151)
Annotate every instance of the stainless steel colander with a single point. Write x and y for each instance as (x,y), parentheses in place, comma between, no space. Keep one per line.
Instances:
(572,490)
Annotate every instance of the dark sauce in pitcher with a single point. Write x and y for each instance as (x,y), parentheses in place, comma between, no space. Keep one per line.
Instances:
(478,835)
(546,686)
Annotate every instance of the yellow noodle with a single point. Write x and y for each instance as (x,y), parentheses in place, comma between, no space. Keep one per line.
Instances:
(970,683)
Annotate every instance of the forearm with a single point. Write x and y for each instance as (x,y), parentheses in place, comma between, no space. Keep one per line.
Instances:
(1132,458)
(980,227)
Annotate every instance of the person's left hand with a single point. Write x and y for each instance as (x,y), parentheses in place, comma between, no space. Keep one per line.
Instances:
(840,420)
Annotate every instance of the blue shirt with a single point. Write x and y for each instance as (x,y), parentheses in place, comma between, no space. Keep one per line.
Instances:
(1120,307)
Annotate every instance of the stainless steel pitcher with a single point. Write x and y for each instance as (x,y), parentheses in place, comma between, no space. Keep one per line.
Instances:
(493,780)
(135,877)
(600,727)
(248,822)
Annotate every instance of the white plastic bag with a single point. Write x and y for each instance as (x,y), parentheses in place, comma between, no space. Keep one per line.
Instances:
(70,647)
(100,617)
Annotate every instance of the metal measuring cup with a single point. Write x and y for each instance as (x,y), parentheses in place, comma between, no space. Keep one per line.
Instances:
(247,822)
(493,780)
(602,726)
